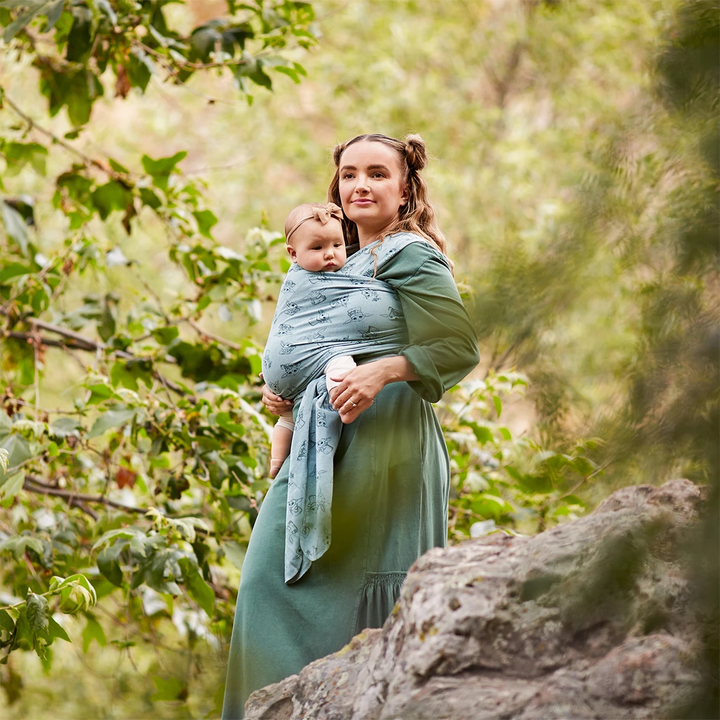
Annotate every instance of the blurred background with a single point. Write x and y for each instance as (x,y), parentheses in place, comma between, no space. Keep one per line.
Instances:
(574,167)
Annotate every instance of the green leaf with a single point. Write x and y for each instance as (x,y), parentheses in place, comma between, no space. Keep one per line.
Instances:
(116,417)
(12,270)
(165,335)
(11,487)
(126,373)
(65,426)
(172,689)
(513,473)
(234,552)
(117,167)
(99,393)
(290,72)
(498,405)
(76,593)
(35,7)
(109,565)
(162,166)
(481,432)
(38,614)
(18,450)
(583,466)
(19,154)
(5,425)
(490,506)
(206,220)
(7,626)
(106,7)
(537,484)
(15,226)
(19,543)
(124,533)
(224,421)
(93,631)
(15,4)
(53,13)
(109,197)
(197,587)
(56,630)
(149,198)
(203,41)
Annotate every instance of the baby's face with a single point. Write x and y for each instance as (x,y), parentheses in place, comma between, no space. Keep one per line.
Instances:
(316,247)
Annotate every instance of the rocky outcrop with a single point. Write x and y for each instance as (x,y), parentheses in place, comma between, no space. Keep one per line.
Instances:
(588,620)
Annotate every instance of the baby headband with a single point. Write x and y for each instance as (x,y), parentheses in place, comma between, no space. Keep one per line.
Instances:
(321,214)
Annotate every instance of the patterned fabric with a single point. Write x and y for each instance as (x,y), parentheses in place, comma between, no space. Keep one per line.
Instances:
(320,316)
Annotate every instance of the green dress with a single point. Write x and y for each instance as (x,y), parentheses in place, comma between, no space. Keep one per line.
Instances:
(390,500)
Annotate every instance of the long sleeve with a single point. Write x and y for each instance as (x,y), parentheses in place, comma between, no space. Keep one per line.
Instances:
(442,344)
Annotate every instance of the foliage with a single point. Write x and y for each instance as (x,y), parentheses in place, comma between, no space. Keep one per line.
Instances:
(676,384)
(576,187)
(501,481)
(148,481)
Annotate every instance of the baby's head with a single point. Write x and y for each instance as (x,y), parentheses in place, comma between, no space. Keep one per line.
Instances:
(315,239)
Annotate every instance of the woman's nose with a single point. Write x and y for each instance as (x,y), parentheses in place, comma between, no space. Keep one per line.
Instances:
(361,185)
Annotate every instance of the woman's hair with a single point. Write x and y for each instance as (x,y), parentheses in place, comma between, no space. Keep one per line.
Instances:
(417,215)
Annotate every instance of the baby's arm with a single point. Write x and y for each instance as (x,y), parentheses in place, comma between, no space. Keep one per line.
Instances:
(338,368)
(281,441)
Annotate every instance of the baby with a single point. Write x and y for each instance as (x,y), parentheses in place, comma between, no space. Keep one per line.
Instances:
(315,242)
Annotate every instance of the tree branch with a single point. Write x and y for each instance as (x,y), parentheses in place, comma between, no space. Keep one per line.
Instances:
(81,342)
(35,485)
(211,336)
(87,160)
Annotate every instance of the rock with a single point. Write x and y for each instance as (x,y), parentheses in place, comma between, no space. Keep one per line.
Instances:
(588,620)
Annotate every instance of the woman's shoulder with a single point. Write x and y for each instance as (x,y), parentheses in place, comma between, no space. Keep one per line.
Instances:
(411,250)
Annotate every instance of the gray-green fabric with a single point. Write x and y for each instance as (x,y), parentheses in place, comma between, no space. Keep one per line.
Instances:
(389,505)
(319,316)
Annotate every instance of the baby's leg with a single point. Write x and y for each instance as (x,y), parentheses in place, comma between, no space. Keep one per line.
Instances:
(281,441)
(338,367)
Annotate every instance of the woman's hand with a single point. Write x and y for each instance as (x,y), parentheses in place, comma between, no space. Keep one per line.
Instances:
(358,389)
(274,403)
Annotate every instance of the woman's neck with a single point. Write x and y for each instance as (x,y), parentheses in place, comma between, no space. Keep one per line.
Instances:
(370,235)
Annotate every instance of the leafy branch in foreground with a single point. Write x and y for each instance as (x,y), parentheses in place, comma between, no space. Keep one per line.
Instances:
(505,482)
(147,482)
(73,43)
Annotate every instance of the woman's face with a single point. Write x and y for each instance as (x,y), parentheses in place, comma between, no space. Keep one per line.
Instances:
(372,186)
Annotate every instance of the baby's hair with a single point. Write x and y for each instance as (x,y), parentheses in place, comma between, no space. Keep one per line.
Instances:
(310,211)
(417,215)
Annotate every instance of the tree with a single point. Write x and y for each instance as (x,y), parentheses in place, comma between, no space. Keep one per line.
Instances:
(164,416)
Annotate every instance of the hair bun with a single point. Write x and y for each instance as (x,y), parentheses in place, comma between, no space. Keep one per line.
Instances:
(415,152)
(337,153)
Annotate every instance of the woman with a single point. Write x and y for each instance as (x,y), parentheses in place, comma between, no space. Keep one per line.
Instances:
(391,472)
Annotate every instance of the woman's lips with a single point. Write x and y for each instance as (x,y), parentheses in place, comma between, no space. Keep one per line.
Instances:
(362,202)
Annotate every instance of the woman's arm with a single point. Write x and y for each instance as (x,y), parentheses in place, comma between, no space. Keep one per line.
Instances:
(442,347)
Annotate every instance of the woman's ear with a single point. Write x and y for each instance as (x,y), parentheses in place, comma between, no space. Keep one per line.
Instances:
(404,195)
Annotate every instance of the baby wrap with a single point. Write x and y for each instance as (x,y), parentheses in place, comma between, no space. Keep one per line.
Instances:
(321,315)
